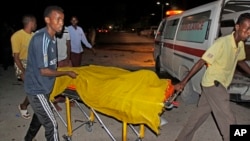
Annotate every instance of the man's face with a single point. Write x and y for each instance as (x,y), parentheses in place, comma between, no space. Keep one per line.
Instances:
(244,30)
(33,24)
(74,21)
(56,21)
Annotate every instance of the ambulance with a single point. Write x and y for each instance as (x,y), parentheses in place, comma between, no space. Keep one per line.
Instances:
(182,39)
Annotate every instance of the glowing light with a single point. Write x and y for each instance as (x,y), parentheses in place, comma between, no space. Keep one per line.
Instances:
(173,12)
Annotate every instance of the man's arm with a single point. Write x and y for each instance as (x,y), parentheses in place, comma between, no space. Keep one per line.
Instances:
(50,72)
(18,62)
(84,40)
(87,44)
(15,46)
(197,66)
(68,49)
(244,66)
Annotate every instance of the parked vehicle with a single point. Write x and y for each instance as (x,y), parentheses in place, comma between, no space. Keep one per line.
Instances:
(149,32)
(182,39)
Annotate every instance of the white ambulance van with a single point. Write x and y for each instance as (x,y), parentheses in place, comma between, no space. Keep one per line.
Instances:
(182,39)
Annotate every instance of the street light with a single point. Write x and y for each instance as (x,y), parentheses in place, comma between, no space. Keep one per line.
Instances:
(162,7)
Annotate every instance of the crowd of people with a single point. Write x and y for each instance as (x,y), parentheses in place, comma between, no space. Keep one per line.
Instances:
(36,62)
(14,49)
(86,38)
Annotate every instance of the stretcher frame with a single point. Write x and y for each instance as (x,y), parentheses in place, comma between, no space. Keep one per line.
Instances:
(73,97)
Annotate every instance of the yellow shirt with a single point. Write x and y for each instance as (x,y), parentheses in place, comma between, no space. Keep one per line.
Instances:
(222,58)
(20,43)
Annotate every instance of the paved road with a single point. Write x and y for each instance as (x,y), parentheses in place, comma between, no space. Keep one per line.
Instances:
(123,38)
(13,127)
(125,50)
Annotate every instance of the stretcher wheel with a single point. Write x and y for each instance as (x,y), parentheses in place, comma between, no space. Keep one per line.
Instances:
(88,127)
(138,139)
(67,138)
(169,106)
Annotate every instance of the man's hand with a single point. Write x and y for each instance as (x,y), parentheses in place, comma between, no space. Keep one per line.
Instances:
(22,76)
(93,50)
(72,74)
(179,86)
(69,63)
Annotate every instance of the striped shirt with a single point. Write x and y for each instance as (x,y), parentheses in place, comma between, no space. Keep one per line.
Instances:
(42,53)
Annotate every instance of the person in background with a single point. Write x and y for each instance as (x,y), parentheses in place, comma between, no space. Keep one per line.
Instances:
(77,37)
(63,48)
(20,43)
(221,60)
(41,72)
(63,56)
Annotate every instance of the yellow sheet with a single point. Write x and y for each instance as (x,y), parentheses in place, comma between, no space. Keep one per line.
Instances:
(133,97)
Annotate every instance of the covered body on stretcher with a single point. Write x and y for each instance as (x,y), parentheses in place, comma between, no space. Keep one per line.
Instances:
(133,97)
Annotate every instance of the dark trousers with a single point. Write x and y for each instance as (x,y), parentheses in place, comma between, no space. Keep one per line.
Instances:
(76,59)
(43,116)
(34,128)
(213,100)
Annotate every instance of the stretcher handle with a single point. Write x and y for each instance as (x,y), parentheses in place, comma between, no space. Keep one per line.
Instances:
(171,99)
(71,87)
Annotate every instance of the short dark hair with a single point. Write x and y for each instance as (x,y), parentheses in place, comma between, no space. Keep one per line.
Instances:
(243,17)
(49,9)
(74,17)
(27,18)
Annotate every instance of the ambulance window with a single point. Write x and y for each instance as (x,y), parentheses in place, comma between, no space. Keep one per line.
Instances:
(193,28)
(227,27)
(162,25)
(171,29)
(227,23)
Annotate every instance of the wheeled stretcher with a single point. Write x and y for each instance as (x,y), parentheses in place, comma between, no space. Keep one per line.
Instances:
(138,97)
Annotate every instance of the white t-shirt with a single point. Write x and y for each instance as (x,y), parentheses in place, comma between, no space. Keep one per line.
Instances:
(61,44)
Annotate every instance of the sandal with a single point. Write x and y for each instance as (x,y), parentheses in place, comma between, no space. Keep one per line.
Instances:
(24,113)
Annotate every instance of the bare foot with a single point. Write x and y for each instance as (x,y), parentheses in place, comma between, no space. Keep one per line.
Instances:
(23,107)
(58,108)
(72,104)
(60,99)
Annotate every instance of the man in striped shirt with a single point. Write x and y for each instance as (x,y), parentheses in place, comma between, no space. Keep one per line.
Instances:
(41,72)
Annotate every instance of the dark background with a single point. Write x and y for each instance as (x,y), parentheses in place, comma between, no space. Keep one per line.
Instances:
(97,13)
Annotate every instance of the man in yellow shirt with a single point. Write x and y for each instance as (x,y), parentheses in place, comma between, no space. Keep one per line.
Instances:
(221,60)
(19,43)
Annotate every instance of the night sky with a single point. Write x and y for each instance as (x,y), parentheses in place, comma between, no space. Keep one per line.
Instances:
(90,13)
